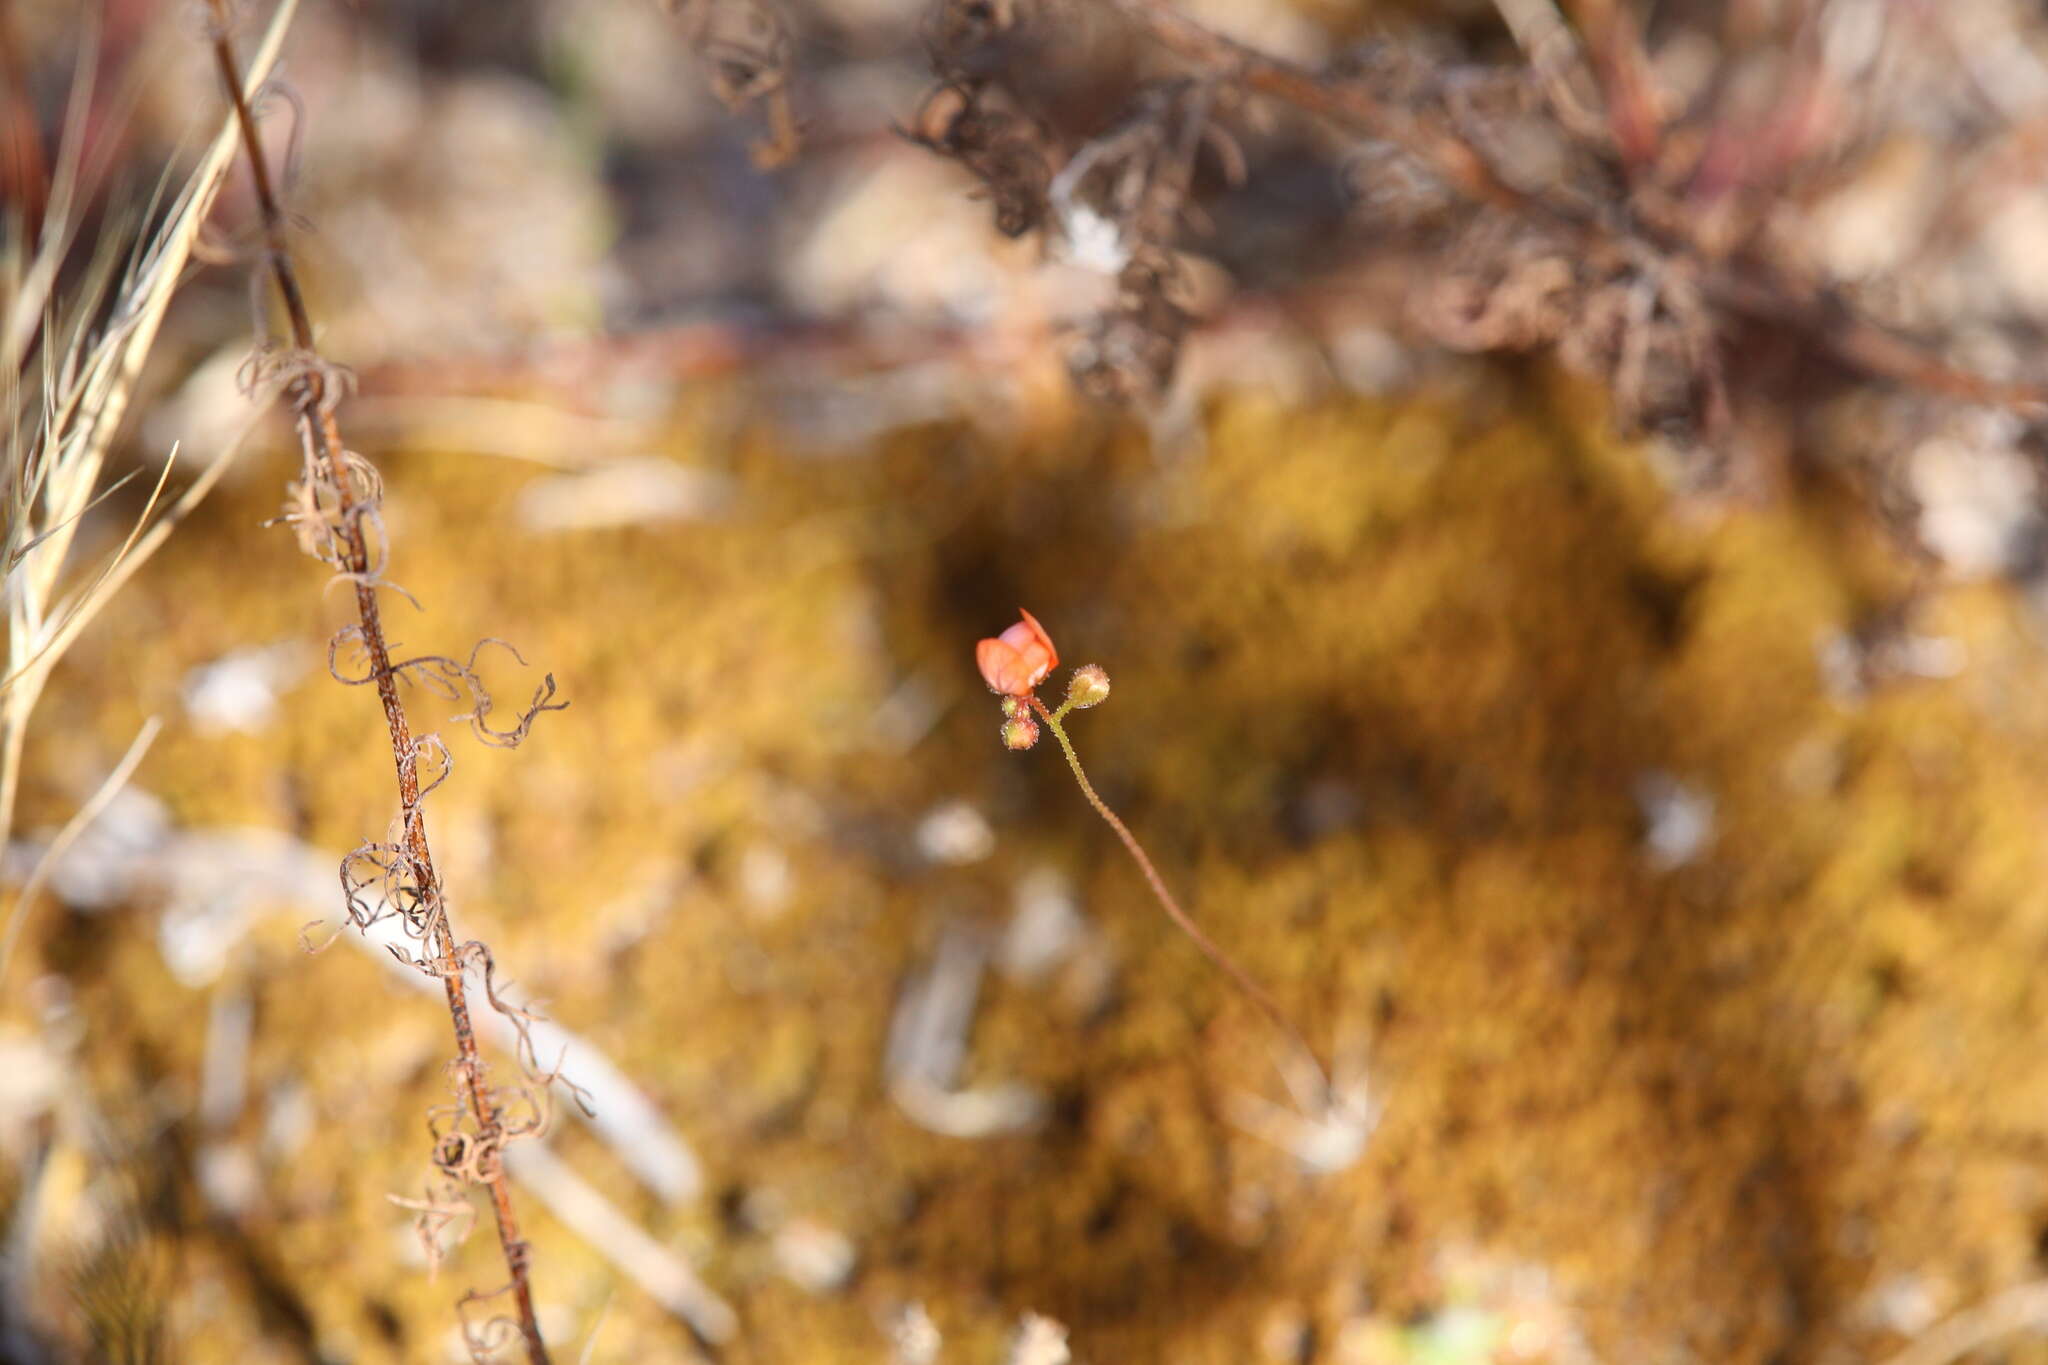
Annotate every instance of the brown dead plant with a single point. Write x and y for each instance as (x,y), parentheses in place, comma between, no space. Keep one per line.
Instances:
(1544,188)
(333,510)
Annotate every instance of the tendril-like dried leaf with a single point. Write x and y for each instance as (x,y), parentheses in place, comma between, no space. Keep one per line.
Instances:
(372,580)
(428,750)
(306,942)
(512,736)
(484,1340)
(745,47)
(442,1220)
(464,1156)
(449,679)
(477,955)
(273,368)
(380,880)
(320,514)
(1009,153)
(1128,355)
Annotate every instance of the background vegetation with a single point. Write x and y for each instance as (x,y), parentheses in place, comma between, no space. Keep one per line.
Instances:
(1585,661)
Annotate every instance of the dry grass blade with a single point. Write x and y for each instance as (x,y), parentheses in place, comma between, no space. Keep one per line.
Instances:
(74,827)
(58,438)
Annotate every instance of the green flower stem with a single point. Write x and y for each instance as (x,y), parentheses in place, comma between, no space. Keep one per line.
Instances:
(1223,960)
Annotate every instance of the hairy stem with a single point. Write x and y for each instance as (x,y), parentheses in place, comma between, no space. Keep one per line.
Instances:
(1227,964)
(314,415)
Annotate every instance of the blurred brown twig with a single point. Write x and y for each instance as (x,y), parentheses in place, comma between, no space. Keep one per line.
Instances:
(1749,285)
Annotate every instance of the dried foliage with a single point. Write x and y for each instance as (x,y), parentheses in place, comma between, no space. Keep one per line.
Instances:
(1640,247)
(333,509)
(963,118)
(745,48)
(1595,190)
(69,363)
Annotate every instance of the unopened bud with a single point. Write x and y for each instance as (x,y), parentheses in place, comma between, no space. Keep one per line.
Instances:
(1014,707)
(1088,687)
(1020,733)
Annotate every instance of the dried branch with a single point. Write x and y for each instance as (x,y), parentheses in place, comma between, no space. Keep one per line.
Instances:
(1646,256)
(334,514)
(1346,103)
(966,120)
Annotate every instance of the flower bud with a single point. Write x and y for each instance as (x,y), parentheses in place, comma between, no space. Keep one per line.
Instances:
(1020,733)
(1014,707)
(1088,687)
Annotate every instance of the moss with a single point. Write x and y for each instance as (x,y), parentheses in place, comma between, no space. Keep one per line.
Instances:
(1386,678)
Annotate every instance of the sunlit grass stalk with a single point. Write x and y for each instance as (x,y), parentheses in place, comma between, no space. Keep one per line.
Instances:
(69,364)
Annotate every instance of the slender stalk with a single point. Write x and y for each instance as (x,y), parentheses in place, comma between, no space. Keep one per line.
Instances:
(101,798)
(1243,980)
(314,415)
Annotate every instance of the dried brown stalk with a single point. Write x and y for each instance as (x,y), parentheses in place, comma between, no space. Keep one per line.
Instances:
(1342,102)
(1185,922)
(1745,286)
(339,492)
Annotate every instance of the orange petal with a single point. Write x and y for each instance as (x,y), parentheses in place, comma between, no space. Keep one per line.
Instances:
(1052,656)
(1017,660)
(1001,667)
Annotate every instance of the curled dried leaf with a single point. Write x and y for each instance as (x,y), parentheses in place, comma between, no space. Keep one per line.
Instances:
(745,47)
(431,756)
(487,1339)
(447,678)
(1127,356)
(1009,153)
(274,368)
(442,1219)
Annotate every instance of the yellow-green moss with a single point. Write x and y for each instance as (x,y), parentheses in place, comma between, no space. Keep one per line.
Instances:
(1718,1103)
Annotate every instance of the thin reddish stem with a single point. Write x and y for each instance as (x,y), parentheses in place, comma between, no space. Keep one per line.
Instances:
(1227,964)
(318,429)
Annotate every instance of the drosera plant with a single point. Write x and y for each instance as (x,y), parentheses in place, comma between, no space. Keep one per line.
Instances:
(333,508)
(1013,664)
